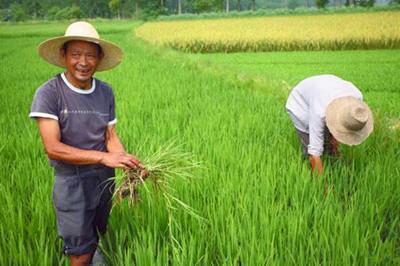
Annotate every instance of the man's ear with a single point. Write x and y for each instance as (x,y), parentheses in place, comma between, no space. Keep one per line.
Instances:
(62,52)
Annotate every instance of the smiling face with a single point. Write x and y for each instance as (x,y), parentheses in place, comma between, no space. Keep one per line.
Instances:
(81,61)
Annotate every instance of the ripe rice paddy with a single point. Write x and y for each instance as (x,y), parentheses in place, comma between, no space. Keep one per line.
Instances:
(260,204)
(286,33)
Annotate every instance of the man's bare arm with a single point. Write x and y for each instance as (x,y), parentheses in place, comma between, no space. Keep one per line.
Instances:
(56,150)
(113,142)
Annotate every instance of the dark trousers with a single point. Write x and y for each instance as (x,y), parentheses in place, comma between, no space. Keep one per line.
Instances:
(82,199)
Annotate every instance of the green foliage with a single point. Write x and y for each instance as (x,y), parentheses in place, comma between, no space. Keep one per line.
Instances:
(74,12)
(33,8)
(18,12)
(52,12)
(321,3)
(150,10)
(292,4)
(56,13)
(114,6)
(4,13)
(202,6)
(365,3)
(280,12)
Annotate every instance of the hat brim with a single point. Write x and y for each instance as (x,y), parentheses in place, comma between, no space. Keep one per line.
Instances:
(341,133)
(49,50)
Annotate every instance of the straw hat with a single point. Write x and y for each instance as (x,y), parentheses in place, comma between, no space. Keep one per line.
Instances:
(349,120)
(83,31)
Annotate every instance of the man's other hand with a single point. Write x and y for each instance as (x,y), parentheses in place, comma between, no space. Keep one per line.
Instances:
(120,160)
(316,164)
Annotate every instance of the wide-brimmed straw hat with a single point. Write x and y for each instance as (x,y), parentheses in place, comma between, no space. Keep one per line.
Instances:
(80,31)
(349,120)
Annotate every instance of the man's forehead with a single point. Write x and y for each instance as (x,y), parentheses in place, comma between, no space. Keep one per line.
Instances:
(78,44)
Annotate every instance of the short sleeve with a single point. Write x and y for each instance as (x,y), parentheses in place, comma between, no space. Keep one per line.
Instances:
(113,119)
(45,103)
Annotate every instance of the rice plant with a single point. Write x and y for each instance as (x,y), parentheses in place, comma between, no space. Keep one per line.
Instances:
(378,30)
(162,168)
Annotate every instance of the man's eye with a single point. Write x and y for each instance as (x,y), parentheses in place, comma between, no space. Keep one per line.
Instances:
(76,55)
(91,56)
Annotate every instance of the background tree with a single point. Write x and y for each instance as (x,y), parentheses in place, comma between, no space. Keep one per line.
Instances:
(292,4)
(18,12)
(33,8)
(179,7)
(218,5)
(321,3)
(149,9)
(365,3)
(146,9)
(137,8)
(253,5)
(201,6)
(115,7)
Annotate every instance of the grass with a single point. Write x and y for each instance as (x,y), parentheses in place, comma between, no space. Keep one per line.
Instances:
(257,195)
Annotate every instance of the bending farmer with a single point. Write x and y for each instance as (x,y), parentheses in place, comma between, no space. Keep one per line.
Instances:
(75,114)
(327,110)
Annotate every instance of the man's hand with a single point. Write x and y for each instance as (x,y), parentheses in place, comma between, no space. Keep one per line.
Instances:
(144,173)
(120,160)
(316,164)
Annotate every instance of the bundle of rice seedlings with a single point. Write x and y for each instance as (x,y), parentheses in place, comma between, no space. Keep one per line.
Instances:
(165,166)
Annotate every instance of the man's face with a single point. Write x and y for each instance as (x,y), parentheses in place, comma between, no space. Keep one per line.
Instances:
(81,60)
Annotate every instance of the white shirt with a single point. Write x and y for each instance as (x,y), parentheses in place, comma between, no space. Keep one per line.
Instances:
(308,101)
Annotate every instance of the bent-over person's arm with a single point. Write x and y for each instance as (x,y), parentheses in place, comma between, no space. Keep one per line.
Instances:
(316,131)
(56,150)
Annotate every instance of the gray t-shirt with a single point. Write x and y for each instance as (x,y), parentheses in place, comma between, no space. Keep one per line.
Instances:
(83,115)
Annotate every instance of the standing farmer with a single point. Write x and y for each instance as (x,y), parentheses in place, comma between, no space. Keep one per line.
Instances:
(325,111)
(75,114)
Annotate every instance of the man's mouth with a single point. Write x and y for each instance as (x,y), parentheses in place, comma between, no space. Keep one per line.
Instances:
(83,71)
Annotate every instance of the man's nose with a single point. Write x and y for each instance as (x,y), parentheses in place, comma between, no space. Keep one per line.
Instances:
(83,60)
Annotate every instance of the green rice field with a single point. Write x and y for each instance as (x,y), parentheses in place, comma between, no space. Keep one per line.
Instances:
(259,201)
